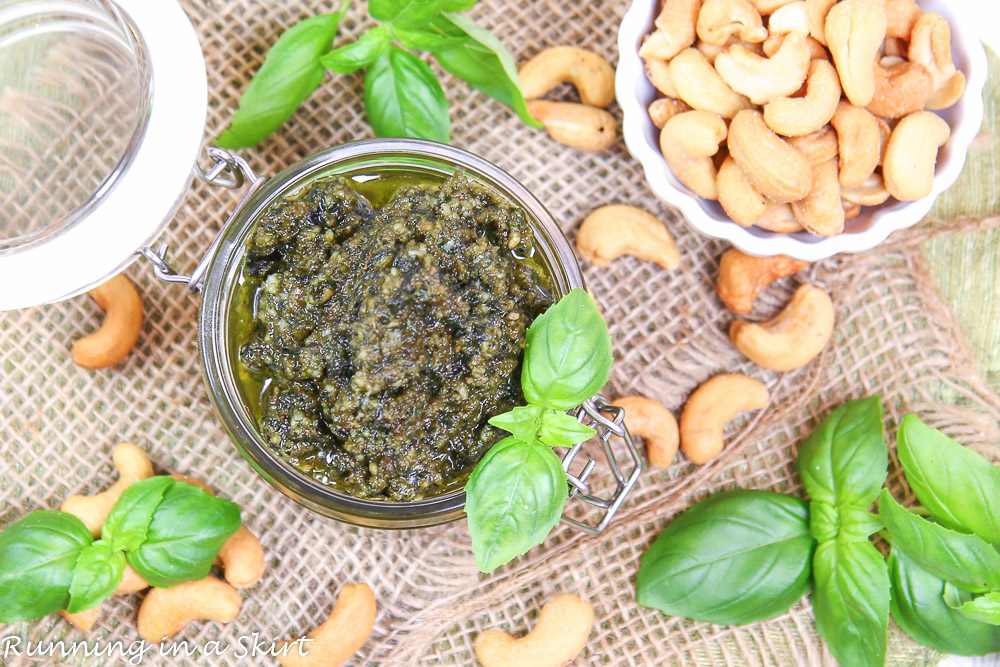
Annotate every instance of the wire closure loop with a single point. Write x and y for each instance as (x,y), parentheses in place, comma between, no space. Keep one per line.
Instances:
(609,421)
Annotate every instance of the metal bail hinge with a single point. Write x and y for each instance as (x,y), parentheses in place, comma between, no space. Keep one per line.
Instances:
(608,421)
(227,171)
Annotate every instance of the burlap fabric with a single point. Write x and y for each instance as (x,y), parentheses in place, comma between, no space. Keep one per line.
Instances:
(894,337)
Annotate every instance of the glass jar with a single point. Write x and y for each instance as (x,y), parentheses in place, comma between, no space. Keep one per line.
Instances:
(223,273)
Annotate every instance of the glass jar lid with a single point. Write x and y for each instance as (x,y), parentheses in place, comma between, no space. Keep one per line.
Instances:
(102,113)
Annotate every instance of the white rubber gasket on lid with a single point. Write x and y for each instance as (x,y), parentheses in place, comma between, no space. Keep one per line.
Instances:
(149,191)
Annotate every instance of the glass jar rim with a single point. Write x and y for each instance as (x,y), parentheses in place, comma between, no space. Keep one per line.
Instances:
(220,289)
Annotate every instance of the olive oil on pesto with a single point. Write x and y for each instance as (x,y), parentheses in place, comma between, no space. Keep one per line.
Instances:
(381,323)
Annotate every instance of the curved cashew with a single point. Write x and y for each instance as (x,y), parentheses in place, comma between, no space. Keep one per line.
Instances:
(778,217)
(742,277)
(774,166)
(901,16)
(686,142)
(612,231)
(590,74)
(762,79)
(133,465)
(930,46)
(166,611)
(110,344)
(793,17)
(665,108)
(817,11)
(792,339)
(870,193)
(577,125)
(710,407)
(699,84)
(900,89)
(740,199)
(83,620)
(860,143)
(340,636)
(948,94)
(911,156)
(675,29)
(768,7)
(721,19)
(855,30)
(559,635)
(799,116)
(821,212)
(773,43)
(658,73)
(819,146)
(655,424)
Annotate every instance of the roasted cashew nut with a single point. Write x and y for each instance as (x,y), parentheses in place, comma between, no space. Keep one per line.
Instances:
(776,169)
(768,7)
(576,125)
(742,277)
(817,11)
(778,217)
(133,465)
(110,344)
(859,140)
(658,73)
(590,74)
(688,141)
(930,46)
(559,635)
(710,408)
(166,611)
(793,17)
(870,193)
(855,30)
(799,116)
(948,94)
(675,29)
(665,108)
(655,424)
(900,89)
(762,79)
(721,19)
(821,212)
(340,636)
(792,339)
(699,84)
(911,155)
(739,198)
(901,16)
(819,146)
(612,231)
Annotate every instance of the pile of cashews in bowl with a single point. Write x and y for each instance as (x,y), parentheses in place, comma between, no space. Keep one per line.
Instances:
(796,114)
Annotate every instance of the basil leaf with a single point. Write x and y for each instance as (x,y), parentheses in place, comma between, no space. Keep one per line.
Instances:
(857,524)
(567,354)
(406,11)
(514,498)
(735,558)
(851,601)
(562,430)
(37,557)
(424,40)
(918,608)
(458,5)
(985,608)
(965,560)
(958,486)
(184,537)
(954,596)
(129,519)
(290,73)
(98,572)
(522,422)
(404,99)
(846,459)
(354,56)
(483,62)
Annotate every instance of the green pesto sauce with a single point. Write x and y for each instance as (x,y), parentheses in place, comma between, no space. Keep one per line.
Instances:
(380,324)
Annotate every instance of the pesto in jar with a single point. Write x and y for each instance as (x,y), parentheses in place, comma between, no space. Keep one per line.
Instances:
(383,339)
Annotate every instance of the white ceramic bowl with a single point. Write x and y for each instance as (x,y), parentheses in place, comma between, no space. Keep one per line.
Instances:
(874,225)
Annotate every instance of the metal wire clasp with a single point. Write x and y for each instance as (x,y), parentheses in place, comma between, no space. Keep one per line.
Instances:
(227,171)
(609,422)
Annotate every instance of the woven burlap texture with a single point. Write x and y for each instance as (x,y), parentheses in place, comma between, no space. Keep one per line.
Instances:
(894,337)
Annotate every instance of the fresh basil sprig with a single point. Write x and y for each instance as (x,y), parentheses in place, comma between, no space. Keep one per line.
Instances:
(168,531)
(402,95)
(517,492)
